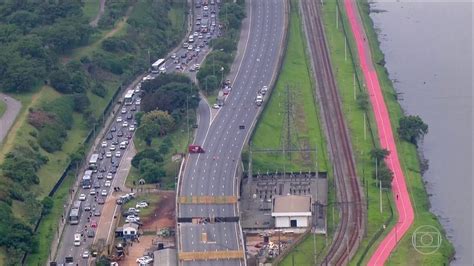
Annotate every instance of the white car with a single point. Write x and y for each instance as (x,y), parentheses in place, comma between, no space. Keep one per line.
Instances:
(197,49)
(125,124)
(173,56)
(197,66)
(109,176)
(103,144)
(200,36)
(190,48)
(92,192)
(132,218)
(133,210)
(141,205)
(124,110)
(215,106)
(131,128)
(195,34)
(138,101)
(108,154)
(85,255)
(205,8)
(264,90)
(119,119)
(117,154)
(259,100)
(112,148)
(103,192)
(162,69)
(123,145)
(108,183)
(145,260)
(82,197)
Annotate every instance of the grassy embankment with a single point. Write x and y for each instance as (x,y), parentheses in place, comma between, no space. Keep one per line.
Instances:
(305,132)
(91,8)
(3,107)
(59,160)
(306,127)
(405,253)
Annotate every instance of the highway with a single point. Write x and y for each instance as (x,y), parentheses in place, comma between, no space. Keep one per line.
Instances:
(213,173)
(185,59)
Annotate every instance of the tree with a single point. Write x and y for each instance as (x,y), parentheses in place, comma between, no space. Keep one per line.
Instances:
(99,90)
(379,154)
(147,154)
(210,83)
(384,174)
(155,124)
(47,203)
(81,102)
(61,81)
(363,101)
(412,128)
(224,44)
(150,171)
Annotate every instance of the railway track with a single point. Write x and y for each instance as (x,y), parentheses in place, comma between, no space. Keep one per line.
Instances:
(351,225)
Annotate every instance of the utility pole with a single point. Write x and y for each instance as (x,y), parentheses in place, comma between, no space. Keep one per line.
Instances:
(365,126)
(345,48)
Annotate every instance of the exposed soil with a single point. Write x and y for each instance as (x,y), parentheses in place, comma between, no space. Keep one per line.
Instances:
(164,216)
(164,212)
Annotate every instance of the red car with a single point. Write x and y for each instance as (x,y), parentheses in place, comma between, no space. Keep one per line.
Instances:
(93,224)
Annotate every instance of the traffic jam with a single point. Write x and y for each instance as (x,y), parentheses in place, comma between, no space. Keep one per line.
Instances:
(97,182)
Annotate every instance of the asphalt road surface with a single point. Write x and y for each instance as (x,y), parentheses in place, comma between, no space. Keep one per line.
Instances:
(185,59)
(8,118)
(213,173)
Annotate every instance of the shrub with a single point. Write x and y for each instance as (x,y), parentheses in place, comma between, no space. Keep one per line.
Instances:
(51,138)
(99,90)
(81,102)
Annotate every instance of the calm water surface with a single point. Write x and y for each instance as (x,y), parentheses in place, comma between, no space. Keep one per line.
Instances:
(428,51)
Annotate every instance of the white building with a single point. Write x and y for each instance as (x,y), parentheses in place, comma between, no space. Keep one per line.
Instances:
(130,230)
(292,211)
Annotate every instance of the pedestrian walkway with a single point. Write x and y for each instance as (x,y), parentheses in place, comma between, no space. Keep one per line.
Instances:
(8,118)
(387,141)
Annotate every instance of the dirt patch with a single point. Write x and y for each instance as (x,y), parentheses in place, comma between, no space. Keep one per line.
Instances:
(136,250)
(163,216)
(164,212)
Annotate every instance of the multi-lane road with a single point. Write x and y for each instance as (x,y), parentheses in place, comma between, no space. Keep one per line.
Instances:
(213,173)
(185,59)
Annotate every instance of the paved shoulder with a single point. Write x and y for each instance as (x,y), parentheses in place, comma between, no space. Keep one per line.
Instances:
(8,118)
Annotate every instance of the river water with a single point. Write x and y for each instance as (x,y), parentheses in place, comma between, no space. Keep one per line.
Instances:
(428,53)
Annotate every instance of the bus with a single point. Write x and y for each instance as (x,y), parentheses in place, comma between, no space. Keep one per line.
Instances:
(129,97)
(93,162)
(87,179)
(75,213)
(155,67)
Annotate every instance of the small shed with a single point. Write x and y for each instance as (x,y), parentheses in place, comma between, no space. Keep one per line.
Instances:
(165,257)
(292,211)
(130,230)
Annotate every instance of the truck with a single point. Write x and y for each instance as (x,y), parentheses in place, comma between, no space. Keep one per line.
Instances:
(87,180)
(193,148)
(220,98)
